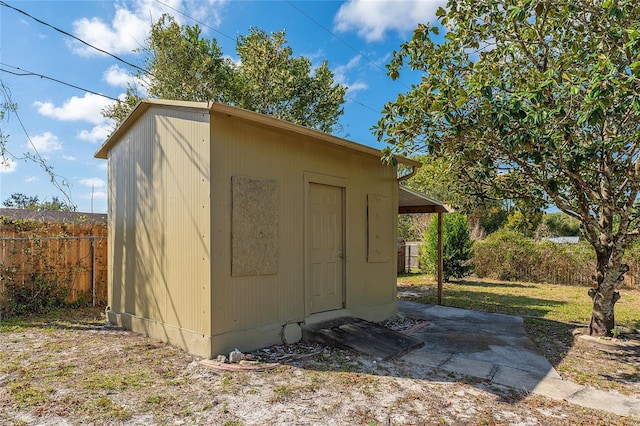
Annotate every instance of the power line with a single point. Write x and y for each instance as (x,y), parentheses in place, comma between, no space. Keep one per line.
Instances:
(197,21)
(37,158)
(233,39)
(26,73)
(361,104)
(341,40)
(2,3)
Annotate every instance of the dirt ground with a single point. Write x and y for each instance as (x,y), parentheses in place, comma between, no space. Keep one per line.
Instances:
(55,371)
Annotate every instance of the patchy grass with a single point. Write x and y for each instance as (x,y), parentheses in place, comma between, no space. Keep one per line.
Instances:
(568,304)
(70,367)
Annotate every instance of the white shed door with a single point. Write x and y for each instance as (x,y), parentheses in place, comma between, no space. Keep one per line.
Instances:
(325,245)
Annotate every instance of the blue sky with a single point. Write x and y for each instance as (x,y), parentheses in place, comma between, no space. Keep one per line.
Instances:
(64,124)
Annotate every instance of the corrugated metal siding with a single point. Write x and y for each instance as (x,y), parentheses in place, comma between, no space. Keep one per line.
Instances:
(254,151)
(184,140)
(160,219)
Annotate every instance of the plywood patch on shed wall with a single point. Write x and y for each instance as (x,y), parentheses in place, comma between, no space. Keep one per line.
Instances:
(254,227)
(379,228)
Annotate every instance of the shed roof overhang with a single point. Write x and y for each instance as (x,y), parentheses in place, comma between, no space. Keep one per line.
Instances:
(248,116)
(412,202)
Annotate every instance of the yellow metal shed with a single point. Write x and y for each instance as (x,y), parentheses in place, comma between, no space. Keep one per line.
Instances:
(228,229)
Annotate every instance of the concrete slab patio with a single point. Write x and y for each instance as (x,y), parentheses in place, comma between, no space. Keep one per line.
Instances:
(495,347)
(480,344)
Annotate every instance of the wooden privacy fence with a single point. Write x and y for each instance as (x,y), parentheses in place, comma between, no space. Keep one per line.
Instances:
(408,256)
(74,255)
(550,270)
(580,276)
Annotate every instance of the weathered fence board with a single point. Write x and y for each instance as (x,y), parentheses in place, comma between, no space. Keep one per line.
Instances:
(75,255)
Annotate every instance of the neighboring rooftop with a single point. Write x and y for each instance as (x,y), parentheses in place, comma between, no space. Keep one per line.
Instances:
(563,240)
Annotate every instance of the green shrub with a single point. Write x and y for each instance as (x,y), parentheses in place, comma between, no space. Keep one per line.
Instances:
(39,294)
(456,247)
(509,256)
(504,255)
(563,263)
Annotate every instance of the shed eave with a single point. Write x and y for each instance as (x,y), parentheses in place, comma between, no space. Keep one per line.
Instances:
(268,121)
(250,116)
(412,202)
(142,106)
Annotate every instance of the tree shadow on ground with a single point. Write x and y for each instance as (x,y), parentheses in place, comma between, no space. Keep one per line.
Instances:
(552,338)
(80,319)
(485,301)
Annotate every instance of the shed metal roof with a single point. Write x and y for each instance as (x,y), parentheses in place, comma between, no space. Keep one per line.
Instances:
(409,201)
(412,202)
(249,116)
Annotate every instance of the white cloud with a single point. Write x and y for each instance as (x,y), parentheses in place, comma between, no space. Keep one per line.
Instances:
(45,143)
(372,19)
(87,108)
(120,77)
(128,28)
(356,86)
(117,77)
(30,179)
(340,75)
(210,10)
(7,165)
(98,133)
(95,195)
(93,182)
(69,158)
(99,195)
(126,32)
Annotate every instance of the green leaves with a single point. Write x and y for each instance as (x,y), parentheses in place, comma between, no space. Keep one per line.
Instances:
(529,99)
(266,79)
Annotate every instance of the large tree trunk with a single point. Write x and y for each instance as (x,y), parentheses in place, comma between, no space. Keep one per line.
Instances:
(610,271)
(602,315)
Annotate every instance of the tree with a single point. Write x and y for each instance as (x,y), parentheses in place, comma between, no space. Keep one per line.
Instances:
(537,100)
(57,205)
(21,201)
(438,178)
(183,65)
(456,247)
(271,81)
(267,78)
(18,200)
(558,224)
(524,217)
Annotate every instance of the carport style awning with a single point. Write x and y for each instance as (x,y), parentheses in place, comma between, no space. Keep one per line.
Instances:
(411,202)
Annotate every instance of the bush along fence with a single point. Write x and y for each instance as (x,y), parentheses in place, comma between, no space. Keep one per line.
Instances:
(508,256)
(47,265)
